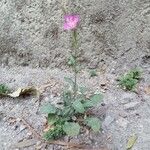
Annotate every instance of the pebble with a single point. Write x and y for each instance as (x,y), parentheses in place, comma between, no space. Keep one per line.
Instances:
(122,122)
(123,114)
(127,98)
(38,145)
(47,99)
(131,105)
(22,127)
(29,133)
(146,98)
(15,127)
(108,120)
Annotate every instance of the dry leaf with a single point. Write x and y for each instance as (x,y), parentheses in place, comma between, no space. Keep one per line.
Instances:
(131,141)
(48,127)
(147,90)
(23,91)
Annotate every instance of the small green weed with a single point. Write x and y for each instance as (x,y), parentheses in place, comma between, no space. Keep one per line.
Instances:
(56,132)
(93,73)
(3,89)
(68,119)
(130,79)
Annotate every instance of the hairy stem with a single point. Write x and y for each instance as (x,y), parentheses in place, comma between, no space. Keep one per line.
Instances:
(75,65)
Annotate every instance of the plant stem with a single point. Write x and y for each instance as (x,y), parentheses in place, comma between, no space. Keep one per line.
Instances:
(75,65)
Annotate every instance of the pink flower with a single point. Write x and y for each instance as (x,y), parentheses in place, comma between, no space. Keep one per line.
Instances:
(71,21)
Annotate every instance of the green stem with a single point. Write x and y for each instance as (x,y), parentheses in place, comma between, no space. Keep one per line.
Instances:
(75,65)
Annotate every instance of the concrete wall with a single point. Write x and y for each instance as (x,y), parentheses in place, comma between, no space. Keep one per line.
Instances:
(112,32)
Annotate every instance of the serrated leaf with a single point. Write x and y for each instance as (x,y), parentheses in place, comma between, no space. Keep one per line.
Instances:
(78,106)
(48,109)
(71,129)
(131,142)
(52,118)
(94,123)
(94,100)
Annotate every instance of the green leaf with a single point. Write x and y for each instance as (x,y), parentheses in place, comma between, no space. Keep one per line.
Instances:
(67,111)
(94,100)
(93,73)
(94,123)
(3,89)
(78,106)
(82,89)
(131,141)
(129,80)
(56,132)
(69,80)
(71,129)
(52,118)
(71,61)
(48,109)
(67,97)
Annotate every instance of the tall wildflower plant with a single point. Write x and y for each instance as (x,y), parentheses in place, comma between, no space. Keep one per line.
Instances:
(71,23)
(73,115)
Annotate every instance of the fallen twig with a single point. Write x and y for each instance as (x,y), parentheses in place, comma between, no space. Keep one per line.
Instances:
(37,135)
(67,144)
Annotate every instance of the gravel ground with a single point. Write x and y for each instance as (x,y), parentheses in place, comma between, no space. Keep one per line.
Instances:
(114,37)
(123,113)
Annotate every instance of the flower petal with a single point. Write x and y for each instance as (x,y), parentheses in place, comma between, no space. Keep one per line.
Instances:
(71,21)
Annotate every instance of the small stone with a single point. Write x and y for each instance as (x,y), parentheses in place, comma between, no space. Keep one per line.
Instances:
(127,98)
(38,143)
(131,106)
(123,114)
(103,104)
(122,122)
(47,99)
(18,120)
(5,119)
(108,120)
(29,134)
(22,127)
(146,98)
(15,127)
(103,91)
(38,147)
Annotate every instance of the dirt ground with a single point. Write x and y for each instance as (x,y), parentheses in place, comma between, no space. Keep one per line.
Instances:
(114,38)
(123,113)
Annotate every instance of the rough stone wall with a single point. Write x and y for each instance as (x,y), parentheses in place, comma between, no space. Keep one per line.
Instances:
(112,32)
